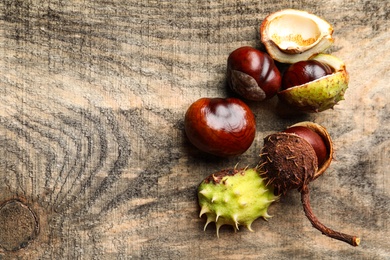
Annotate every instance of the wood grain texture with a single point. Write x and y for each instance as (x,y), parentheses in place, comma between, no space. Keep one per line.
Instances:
(92,101)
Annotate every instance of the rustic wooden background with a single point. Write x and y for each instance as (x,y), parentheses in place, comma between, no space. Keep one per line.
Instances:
(92,100)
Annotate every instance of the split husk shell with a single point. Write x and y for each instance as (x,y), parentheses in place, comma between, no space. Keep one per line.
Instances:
(292,35)
(320,130)
(290,162)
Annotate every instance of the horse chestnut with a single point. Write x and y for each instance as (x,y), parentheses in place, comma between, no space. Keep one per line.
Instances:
(312,138)
(219,126)
(303,72)
(316,87)
(289,161)
(252,74)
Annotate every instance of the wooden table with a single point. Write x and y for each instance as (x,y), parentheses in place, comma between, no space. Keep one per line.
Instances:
(94,160)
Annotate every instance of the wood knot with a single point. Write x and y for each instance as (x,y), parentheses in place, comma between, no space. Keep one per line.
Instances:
(19,225)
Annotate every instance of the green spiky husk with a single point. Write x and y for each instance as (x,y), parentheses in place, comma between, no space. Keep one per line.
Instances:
(321,94)
(318,95)
(234,197)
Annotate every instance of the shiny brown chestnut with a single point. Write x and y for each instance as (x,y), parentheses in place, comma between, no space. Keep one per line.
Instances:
(314,139)
(252,74)
(220,126)
(326,140)
(303,72)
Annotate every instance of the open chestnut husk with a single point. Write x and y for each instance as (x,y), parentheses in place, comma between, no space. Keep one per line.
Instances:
(292,35)
(326,138)
(289,161)
(319,94)
(296,147)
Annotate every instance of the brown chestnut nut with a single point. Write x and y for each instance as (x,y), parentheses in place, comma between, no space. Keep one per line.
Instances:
(303,72)
(312,138)
(219,126)
(323,162)
(252,74)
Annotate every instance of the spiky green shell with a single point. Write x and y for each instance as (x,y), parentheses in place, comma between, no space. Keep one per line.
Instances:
(234,197)
(320,94)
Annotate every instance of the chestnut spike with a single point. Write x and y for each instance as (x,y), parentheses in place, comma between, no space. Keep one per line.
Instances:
(218,226)
(235,218)
(203,211)
(208,221)
(249,227)
(266,216)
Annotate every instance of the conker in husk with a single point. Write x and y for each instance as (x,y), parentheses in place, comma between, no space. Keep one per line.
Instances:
(220,126)
(314,139)
(252,74)
(314,85)
(303,72)
(289,161)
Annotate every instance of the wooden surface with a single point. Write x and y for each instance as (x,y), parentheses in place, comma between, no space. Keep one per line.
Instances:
(92,148)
